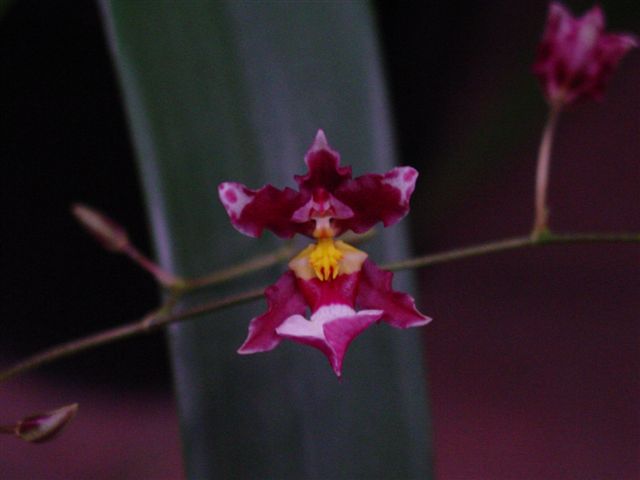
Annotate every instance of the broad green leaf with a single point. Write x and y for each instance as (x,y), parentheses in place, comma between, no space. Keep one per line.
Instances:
(232,90)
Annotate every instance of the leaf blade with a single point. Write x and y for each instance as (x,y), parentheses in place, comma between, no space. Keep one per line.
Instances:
(221,91)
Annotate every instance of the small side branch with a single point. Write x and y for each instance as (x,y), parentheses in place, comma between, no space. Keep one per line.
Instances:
(512,244)
(149,323)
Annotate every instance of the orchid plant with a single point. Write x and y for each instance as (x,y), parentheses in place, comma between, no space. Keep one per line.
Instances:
(331,291)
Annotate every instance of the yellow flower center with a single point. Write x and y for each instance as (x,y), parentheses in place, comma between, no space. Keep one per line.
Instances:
(325,259)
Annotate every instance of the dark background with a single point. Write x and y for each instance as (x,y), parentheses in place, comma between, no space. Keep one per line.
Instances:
(534,356)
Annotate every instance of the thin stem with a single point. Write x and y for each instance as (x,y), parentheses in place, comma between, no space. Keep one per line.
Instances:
(151,322)
(252,265)
(163,277)
(511,244)
(460,253)
(165,314)
(540,224)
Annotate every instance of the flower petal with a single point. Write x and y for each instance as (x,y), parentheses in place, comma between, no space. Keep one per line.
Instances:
(324,167)
(251,211)
(340,290)
(341,332)
(331,329)
(320,203)
(284,300)
(374,198)
(375,292)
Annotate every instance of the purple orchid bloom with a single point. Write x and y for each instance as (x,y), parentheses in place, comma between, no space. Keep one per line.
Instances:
(344,290)
(576,57)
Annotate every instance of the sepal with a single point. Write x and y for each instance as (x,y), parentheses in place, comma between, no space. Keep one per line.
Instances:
(375,292)
(284,300)
(374,198)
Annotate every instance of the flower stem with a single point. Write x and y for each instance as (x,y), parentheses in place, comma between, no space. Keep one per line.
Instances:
(164,278)
(512,244)
(252,265)
(540,225)
(169,314)
(149,323)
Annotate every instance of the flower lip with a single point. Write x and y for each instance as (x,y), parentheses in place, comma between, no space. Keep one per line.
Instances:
(331,329)
(341,309)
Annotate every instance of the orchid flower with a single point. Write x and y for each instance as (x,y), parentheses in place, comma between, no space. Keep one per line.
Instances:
(576,57)
(344,290)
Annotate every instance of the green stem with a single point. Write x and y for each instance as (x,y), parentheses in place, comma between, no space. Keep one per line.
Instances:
(512,244)
(252,265)
(165,316)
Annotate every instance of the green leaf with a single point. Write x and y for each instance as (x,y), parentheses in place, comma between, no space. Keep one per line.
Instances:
(230,90)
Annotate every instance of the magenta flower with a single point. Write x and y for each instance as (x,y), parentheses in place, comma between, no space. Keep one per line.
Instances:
(576,57)
(344,291)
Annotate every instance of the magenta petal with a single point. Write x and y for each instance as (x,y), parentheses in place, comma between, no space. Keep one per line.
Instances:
(304,331)
(324,167)
(251,211)
(375,198)
(331,329)
(341,332)
(284,300)
(314,206)
(375,292)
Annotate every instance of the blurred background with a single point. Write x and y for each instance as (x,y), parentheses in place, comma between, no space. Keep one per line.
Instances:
(534,356)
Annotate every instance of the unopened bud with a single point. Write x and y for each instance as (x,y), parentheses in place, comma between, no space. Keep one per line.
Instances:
(112,236)
(44,426)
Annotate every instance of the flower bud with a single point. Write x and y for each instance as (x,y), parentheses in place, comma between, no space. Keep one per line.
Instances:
(44,426)
(576,56)
(111,235)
